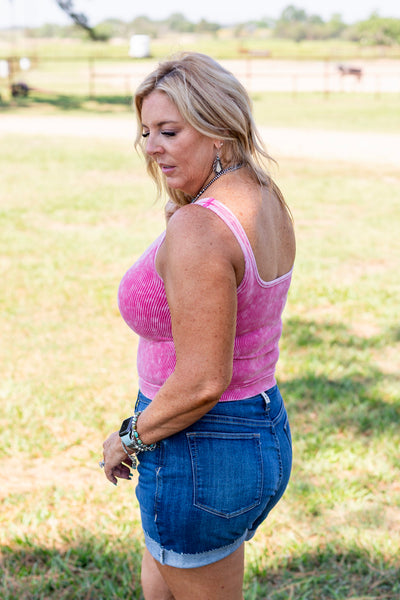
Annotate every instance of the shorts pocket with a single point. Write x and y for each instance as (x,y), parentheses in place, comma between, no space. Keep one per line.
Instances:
(287,431)
(227,471)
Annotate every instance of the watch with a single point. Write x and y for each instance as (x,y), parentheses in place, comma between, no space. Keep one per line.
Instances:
(125,433)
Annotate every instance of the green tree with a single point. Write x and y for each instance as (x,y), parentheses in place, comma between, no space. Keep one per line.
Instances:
(335,26)
(292,14)
(144,26)
(378,30)
(178,22)
(292,24)
(206,27)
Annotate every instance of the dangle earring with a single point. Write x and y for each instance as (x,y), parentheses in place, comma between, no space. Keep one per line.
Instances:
(217,165)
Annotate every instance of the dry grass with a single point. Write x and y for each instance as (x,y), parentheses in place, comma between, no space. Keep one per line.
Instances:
(74,216)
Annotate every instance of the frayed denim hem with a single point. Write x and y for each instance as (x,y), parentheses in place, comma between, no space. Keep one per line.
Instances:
(191,561)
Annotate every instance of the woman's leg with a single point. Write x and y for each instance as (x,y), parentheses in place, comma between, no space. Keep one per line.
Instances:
(222,580)
(153,584)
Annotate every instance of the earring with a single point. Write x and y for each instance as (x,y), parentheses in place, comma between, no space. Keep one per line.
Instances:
(217,166)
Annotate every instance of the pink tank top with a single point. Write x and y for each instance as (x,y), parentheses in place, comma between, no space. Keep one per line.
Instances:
(143,304)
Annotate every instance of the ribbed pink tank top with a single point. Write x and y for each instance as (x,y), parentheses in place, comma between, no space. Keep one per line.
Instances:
(143,304)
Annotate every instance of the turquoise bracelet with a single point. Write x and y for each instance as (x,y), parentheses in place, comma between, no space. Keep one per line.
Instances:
(139,445)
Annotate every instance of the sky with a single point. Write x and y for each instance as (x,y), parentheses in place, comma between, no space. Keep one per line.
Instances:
(32,13)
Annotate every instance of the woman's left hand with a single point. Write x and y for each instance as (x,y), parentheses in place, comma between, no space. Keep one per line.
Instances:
(116,462)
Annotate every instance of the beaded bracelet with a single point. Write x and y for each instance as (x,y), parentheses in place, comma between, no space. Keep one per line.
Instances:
(138,444)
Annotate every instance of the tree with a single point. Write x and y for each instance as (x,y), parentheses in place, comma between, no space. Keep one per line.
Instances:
(335,25)
(142,25)
(205,26)
(292,24)
(375,31)
(78,18)
(292,13)
(178,22)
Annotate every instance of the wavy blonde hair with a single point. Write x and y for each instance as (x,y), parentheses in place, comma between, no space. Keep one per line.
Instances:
(217,105)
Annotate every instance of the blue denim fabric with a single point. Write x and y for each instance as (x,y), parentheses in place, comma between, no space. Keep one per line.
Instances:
(206,489)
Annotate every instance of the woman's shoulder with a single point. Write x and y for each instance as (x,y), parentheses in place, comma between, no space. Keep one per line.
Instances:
(193,232)
(192,219)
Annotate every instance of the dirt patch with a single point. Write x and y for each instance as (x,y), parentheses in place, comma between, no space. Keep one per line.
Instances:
(371,148)
(67,469)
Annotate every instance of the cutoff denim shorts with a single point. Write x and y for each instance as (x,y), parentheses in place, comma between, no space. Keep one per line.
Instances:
(204,491)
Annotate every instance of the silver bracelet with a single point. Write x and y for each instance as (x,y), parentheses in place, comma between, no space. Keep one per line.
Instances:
(131,456)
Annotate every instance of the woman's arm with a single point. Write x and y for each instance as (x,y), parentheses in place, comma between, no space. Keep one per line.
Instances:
(198,262)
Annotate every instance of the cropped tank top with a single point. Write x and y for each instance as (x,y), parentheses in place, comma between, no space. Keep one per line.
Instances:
(143,305)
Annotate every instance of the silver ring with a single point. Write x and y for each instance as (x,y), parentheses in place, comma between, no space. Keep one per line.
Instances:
(101,464)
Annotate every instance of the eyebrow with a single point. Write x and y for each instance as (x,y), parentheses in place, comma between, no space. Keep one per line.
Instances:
(162,123)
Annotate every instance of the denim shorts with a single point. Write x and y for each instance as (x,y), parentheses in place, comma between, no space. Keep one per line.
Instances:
(204,491)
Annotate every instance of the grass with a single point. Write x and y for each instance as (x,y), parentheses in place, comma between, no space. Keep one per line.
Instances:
(338,112)
(74,215)
(223,45)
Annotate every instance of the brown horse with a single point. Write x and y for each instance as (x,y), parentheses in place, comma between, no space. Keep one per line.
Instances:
(355,71)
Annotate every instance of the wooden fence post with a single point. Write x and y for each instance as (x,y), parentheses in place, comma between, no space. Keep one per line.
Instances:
(91,78)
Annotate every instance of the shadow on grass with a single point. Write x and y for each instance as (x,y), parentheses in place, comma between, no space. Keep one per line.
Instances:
(70,102)
(326,574)
(92,569)
(351,398)
(89,569)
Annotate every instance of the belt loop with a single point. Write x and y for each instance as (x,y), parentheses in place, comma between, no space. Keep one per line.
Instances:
(266,400)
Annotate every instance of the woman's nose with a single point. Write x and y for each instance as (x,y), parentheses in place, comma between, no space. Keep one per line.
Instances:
(152,146)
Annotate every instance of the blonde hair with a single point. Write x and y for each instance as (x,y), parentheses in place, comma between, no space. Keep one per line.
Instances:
(216,104)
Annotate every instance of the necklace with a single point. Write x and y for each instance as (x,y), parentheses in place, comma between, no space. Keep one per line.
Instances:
(218,175)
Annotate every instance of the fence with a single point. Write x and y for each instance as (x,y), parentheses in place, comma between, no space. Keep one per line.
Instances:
(95,77)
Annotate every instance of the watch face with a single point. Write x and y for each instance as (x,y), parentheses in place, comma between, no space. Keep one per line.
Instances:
(126,426)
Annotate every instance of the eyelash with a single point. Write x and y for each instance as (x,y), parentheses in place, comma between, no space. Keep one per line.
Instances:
(166,133)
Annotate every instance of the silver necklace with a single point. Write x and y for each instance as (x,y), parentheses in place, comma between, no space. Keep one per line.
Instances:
(218,175)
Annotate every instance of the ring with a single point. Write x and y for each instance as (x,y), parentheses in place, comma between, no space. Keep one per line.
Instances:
(101,464)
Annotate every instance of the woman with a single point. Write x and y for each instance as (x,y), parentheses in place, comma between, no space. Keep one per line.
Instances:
(210,429)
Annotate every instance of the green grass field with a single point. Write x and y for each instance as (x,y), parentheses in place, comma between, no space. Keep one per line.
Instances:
(74,215)
(222,45)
